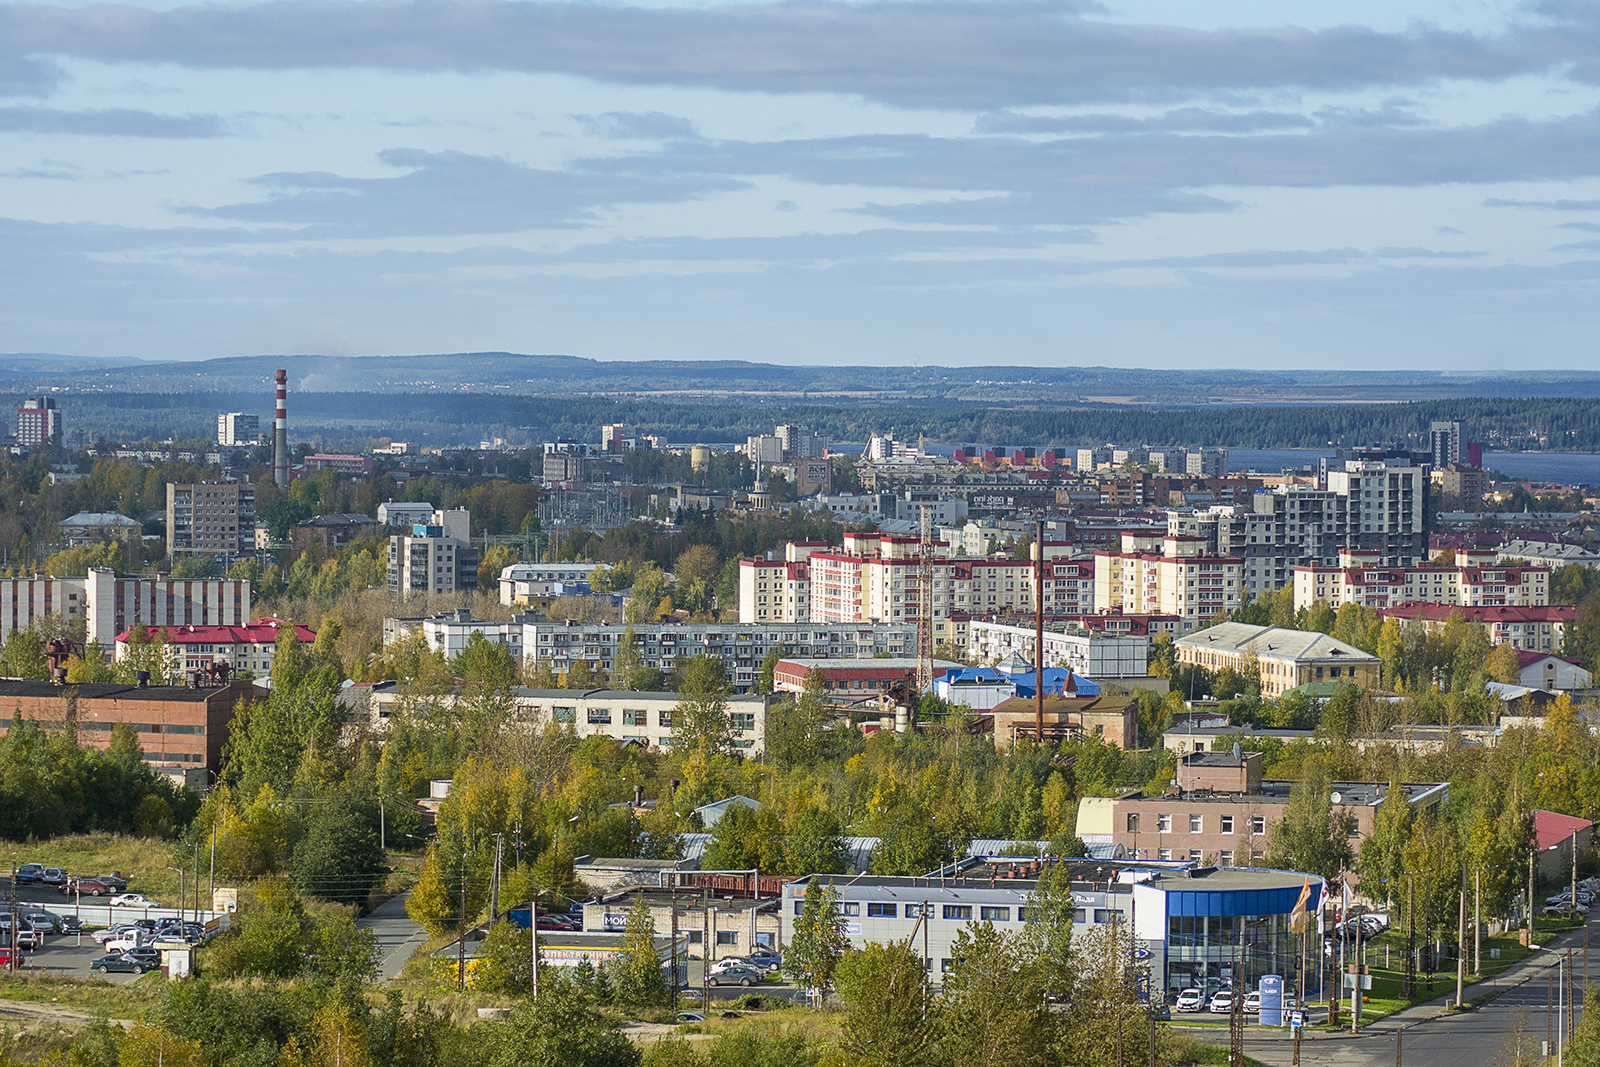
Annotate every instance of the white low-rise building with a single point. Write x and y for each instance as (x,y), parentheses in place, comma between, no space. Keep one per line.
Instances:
(1093,655)
(521,583)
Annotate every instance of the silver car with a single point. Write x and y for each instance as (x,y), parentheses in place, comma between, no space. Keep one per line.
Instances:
(738,974)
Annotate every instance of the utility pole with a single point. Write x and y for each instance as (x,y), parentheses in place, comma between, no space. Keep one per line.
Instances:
(1477,922)
(1461,955)
(1408,982)
(181,891)
(674,1001)
(1531,942)
(461,945)
(383,838)
(212,887)
(494,884)
(1571,1007)
(1153,1044)
(533,941)
(1236,1007)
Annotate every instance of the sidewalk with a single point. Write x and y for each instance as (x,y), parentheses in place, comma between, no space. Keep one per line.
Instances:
(1535,966)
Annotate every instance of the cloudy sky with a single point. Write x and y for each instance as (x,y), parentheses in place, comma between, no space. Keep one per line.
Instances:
(1153,183)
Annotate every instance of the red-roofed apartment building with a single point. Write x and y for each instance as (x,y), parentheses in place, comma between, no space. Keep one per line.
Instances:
(1525,629)
(244,648)
(1553,837)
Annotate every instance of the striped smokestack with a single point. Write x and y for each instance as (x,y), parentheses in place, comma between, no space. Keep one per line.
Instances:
(280,434)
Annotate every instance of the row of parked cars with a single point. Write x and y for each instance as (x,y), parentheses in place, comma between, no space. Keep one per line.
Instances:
(744,970)
(1565,903)
(98,885)
(1221,1002)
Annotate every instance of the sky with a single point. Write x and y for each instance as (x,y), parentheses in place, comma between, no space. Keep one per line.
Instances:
(1148,183)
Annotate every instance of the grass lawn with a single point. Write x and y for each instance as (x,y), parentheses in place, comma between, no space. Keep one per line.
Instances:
(94,996)
(141,860)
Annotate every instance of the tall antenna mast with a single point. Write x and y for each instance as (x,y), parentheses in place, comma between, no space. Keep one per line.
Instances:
(925,612)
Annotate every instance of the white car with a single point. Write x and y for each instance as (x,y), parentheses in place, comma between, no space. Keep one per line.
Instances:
(1252,1003)
(133,900)
(132,939)
(1222,1002)
(1190,1000)
(725,963)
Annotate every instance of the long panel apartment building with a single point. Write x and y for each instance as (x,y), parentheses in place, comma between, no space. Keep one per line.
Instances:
(110,605)
(877,578)
(1476,579)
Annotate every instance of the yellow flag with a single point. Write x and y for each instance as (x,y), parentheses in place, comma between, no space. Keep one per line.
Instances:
(1297,917)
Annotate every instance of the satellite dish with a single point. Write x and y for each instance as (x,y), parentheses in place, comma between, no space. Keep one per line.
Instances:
(1337,798)
(1236,750)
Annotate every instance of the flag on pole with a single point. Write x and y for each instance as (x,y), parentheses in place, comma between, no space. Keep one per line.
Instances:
(1297,917)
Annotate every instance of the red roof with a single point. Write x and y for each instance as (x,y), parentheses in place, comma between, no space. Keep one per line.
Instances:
(264,631)
(1442,612)
(1527,659)
(1551,828)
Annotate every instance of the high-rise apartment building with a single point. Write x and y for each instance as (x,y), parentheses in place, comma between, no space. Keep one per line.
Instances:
(235,429)
(109,605)
(1172,575)
(1377,507)
(1476,579)
(1446,438)
(211,518)
(38,422)
(436,557)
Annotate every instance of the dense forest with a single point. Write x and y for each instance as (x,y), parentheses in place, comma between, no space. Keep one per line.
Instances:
(352,419)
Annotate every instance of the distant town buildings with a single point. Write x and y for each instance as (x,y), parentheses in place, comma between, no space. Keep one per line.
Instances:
(1172,575)
(1286,658)
(1530,629)
(235,429)
(248,647)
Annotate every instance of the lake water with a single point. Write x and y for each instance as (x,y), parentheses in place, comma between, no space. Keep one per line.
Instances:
(1578,468)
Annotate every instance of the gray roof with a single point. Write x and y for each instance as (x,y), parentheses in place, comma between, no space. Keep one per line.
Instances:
(97,518)
(1275,641)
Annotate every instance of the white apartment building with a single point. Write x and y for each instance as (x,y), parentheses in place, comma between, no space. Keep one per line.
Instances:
(877,578)
(741,647)
(523,582)
(1475,581)
(110,605)
(405,512)
(1174,575)
(641,717)
(235,429)
(449,632)
(1093,655)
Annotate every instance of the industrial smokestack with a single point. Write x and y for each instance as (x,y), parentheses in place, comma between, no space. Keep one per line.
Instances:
(280,434)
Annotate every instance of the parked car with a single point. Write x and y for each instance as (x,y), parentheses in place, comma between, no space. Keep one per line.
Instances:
(766,959)
(26,938)
(727,962)
(70,924)
(53,922)
(123,961)
(130,939)
(133,900)
(1190,1000)
(1252,1003)
(111,932)
(53,876)
(29,873)
(690,994)
(691,1017)
(1221,1002)
(1159,1011)
(739,974)
(5,956)
(88,887)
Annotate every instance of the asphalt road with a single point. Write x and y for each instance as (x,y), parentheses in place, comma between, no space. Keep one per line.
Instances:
(69,956)
(398,936)
(1427,1039)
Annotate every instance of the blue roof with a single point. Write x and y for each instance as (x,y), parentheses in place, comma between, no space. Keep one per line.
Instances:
(1055,680)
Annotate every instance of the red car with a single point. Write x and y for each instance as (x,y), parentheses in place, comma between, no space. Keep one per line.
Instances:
(89,887)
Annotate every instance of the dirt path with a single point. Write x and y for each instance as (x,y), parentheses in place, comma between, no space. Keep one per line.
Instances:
(35,1011)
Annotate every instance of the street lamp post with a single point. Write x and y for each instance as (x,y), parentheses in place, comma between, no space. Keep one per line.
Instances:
(181,888)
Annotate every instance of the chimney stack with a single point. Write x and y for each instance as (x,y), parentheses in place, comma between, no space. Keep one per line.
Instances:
(280,434)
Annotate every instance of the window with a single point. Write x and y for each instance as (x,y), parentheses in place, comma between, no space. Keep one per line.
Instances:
(563,714)
(1105,915)
(695,937)
(742,720)
(799,906)
(766,938)
(1227,824)
(599,716)
(664,717)
(996,915)
(1194,855)
(851,907)
(914,910)
(1164,824)
(1133,822)
(1225,857)
(1163,853)
(1195,824)
(1079,915)
(958,911)
(882,911)
(634,717)
(1258,824)
(727,937)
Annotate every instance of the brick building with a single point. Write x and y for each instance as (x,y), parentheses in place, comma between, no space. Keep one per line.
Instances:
(179,727)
